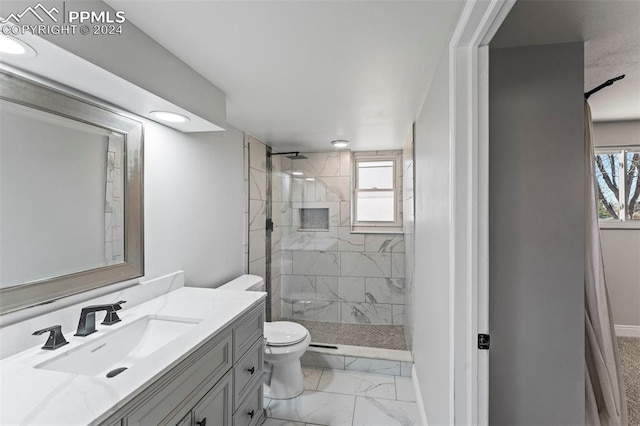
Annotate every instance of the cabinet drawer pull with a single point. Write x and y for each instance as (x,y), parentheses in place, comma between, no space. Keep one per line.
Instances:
(251,370)
(203,422)
(251,414)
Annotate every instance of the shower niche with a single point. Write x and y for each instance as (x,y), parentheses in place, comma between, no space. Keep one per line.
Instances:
(314,219)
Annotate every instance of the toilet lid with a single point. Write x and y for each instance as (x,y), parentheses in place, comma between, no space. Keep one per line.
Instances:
(283,333)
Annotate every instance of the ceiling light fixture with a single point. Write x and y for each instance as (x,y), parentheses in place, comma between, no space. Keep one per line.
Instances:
(12,46)
(170,117)
(297,173)
(340,143)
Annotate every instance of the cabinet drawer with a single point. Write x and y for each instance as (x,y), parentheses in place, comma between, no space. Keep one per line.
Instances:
(215,408)
(246,333)
(246,371)
(167,397)
(250,412)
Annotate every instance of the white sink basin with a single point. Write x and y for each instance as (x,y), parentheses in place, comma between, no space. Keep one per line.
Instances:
(120,348)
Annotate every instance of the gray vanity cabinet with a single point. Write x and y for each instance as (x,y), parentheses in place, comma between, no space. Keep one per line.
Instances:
(219,384)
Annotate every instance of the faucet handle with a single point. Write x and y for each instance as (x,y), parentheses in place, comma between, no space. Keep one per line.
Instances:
(112,317)
(55,340)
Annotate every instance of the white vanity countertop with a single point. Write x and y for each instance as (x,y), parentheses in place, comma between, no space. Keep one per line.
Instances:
(43,397)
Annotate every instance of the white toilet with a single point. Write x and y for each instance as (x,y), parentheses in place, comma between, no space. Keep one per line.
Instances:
(285,343)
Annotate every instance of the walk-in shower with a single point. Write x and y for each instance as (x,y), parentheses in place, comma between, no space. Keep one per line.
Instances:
(345,288)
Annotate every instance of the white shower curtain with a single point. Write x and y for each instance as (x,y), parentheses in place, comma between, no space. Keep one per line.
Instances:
(605,398)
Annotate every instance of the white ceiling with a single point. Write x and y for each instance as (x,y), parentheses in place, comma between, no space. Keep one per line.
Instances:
(299,74)
(611,32)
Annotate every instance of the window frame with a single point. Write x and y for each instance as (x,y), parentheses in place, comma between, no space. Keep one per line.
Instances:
(395,226)
(620,223)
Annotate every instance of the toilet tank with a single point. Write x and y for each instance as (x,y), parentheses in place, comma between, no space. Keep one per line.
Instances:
(245,283)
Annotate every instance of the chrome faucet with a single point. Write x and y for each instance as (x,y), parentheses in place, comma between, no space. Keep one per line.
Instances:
(87,323)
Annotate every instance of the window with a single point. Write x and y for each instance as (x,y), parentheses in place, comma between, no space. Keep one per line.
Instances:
(617,173)
(377,190)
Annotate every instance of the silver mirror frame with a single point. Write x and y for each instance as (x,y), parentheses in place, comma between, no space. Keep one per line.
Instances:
(14,88)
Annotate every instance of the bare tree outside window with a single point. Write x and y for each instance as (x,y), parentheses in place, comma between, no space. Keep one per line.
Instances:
(617,173)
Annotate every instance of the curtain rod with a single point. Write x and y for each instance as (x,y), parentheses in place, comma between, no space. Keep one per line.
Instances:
(603,85)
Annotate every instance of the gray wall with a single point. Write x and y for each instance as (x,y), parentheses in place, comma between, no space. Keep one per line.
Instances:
(431,192)
(536,238)
(621,247)
(193,204)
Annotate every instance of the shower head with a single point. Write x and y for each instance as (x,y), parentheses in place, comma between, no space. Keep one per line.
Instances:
(297,156)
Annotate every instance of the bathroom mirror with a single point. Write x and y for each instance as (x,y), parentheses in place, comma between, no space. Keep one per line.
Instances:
(71,209)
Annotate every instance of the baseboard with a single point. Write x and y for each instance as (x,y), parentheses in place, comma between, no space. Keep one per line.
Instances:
(419,401)
(627,330)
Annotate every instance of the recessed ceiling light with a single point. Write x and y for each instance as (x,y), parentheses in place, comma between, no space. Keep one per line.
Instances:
(297,173)
(170,117)
(12,46)
(340,143)
(310,179)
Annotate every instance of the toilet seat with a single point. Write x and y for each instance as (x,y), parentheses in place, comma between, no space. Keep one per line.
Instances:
(284,333)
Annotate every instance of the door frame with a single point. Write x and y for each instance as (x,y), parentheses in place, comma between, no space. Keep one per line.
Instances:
(469,209)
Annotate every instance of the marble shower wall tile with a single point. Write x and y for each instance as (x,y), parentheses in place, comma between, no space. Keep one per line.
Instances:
(398,314)
(313,310)
(351,289)
(276,305)
(257,247)
(287,263)
(348,241)
(257,216)
(257,267)
(257,185)
(327,288)
(397,265)
(345,163)
(384,243)
(257,155)
(378,366)
(358,264)
(299,287)
(332,189)
(319,164)
(384,290)
(286,308)
(295,240)
(365,313)
(406,368)
(345,213)
(316,263)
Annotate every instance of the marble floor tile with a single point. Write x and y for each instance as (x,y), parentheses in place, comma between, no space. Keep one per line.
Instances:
(279,422)
(357,383)
(311,377)
(404,389)
(315,407)
(384,412)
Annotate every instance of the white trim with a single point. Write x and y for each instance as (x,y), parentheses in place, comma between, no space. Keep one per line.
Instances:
(469,254)
(419,401)
(627,330)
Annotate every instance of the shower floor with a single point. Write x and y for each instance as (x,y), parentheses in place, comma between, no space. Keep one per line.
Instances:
(375,336)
